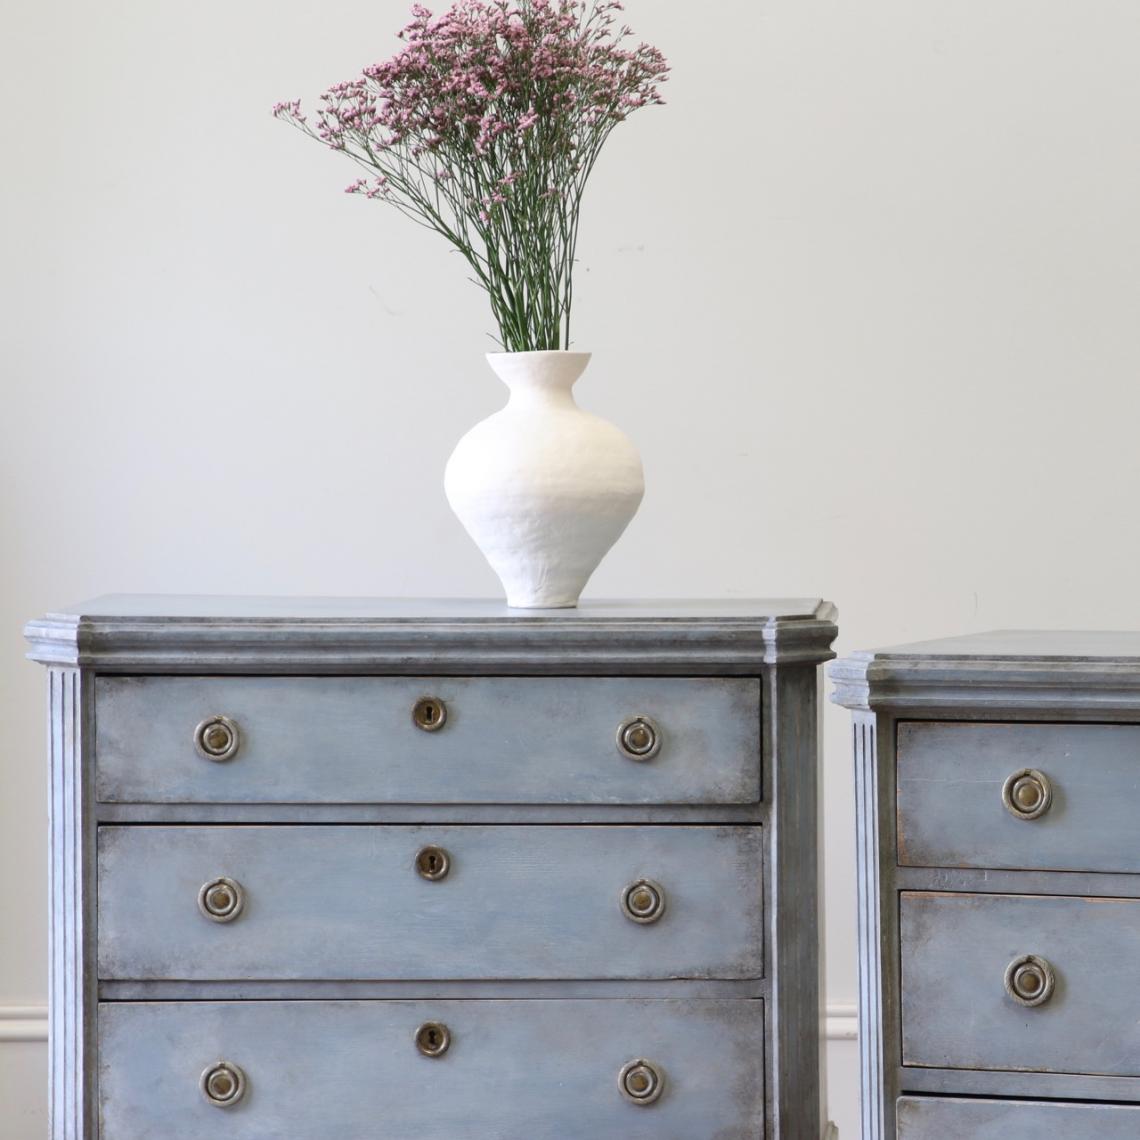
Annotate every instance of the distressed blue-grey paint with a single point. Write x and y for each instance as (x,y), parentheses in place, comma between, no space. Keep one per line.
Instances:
(514,1071)
(955,1011)
(950,812)
(939,728)
(346,902)
(734,687)
(938,1119)
(352,739)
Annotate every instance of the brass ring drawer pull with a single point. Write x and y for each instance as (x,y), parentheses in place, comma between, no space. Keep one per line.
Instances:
(639,738)
(433,864)
(641,1082)
(643,901)
(217,738)
(223,1084)
(1030,980)
(1027,794)
(429,714)
(433,1039)
(221,899)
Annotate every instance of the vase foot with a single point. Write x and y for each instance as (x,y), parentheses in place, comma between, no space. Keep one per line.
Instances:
(541,604)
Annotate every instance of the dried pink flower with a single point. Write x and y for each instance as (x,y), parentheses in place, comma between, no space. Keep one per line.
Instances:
(486,126)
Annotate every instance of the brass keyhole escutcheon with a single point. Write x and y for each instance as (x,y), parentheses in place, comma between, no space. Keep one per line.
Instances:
(433,1039)
(221,899)
(643,901)
(430,714)
(433,863)
(639,738)
(217,738)
(1027,794)
(641,1082)
(1030,980)
(223,1084)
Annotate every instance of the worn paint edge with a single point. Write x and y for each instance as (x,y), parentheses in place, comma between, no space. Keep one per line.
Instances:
(24,1023)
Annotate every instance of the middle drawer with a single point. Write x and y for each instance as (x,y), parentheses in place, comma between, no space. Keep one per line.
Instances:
(388,903)
(1035,983)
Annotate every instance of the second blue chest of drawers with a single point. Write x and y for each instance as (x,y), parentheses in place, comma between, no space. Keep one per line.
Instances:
(998,783)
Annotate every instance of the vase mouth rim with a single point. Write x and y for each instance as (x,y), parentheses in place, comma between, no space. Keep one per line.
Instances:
(563,352)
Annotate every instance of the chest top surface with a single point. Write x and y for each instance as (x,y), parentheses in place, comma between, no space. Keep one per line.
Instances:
(153,633)
(1044,669)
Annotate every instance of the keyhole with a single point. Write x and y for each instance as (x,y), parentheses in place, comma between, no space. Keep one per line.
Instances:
(433,863)
(429,714)
(433,1039)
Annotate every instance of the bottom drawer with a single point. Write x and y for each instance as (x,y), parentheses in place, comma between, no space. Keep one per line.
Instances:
(513,1070)
(937,1118)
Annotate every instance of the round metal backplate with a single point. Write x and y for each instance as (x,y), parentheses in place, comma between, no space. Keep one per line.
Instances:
(641,1082)
(1030,980)
(639,738)
(643,901)
(221,899)
(223,1084)
(217,738)
(1027,794)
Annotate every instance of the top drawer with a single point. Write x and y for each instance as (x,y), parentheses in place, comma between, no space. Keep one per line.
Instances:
(1055,797)
(495,740)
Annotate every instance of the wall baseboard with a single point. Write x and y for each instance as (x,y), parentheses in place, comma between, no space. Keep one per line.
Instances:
(23,1023)
(30,1023)
(842,1022)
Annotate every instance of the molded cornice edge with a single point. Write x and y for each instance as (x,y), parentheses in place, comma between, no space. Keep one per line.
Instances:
(528,643)
(866,681)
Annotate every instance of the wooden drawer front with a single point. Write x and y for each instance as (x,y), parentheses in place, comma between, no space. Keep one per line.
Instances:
(956,949)
(505,740)
(515,1070)
(950,808)
(348,903)
(940,1118)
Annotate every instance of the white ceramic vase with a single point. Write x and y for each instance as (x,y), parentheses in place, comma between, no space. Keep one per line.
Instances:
(543,487)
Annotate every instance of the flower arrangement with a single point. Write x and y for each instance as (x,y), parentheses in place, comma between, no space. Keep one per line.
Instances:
(486,127)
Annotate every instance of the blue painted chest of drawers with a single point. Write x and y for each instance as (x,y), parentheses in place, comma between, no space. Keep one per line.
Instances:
(434,870)
(998,790)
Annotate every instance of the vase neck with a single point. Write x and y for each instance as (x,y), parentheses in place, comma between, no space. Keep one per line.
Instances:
(539,378)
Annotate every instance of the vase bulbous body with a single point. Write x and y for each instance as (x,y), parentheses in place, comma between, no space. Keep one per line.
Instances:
(543,487)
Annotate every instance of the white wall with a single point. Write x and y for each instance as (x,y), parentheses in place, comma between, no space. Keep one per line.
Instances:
(865,293)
